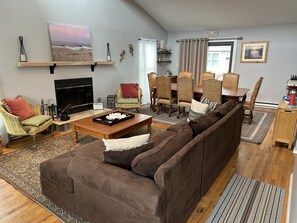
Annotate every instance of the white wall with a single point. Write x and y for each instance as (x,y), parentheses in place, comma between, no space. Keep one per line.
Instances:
(281,60)
(118,22)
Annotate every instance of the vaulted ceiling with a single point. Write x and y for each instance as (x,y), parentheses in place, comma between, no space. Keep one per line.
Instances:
(190,15)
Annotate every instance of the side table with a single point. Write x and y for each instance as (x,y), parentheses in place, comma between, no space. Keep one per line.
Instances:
(285,124)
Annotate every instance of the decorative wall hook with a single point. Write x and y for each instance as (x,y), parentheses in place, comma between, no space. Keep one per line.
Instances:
(131,49)
(122,55)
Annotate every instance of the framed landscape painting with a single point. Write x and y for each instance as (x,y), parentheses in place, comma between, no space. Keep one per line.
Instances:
(70,42)
(254,52)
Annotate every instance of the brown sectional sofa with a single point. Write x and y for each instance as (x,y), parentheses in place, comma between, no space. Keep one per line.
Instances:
(83,183)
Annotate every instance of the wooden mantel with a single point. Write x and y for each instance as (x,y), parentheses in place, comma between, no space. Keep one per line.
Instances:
(53,64)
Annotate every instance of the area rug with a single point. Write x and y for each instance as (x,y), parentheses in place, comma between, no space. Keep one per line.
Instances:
(163,117)
(257,130)
(248,200)
(21,168)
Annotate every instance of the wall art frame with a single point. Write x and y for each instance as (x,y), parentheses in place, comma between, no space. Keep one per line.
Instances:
(254,52)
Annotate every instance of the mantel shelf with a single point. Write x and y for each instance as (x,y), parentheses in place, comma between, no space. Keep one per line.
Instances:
(53,64)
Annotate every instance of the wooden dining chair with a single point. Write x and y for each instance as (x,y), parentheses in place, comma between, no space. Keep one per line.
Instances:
(152,83)
(185,93)
(249,105)
(230,81)
(212,90)
(186,74)
(206,76)
(164,95)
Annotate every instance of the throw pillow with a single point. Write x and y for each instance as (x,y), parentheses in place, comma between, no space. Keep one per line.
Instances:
(147,163)
(125,143)
(202,123)
(5,105)
(212,104)
(197,109)
(19,107)
(36,120)
(225,108)
(124,158)
(129,90)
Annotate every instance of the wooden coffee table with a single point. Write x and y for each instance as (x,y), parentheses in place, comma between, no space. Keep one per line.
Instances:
(88,126)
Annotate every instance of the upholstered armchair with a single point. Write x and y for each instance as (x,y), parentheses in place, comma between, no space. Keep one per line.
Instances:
(31,126)
(127,102)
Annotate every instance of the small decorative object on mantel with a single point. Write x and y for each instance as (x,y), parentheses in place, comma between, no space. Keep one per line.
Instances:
(122,55)
(108,53)
(131,49)
(23,55)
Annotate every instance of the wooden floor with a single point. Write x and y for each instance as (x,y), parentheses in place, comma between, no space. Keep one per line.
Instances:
(262,162)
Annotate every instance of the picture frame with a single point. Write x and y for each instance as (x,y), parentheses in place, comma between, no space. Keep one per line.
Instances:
(254,52)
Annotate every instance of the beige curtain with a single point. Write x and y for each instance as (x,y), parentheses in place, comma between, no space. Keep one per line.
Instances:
(193,56)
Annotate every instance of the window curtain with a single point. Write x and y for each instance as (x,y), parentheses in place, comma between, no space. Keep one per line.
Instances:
(193,56)
(147,49)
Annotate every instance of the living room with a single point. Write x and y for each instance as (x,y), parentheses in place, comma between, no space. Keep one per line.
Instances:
(121,23)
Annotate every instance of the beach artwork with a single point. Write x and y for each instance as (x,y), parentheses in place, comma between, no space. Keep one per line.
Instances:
(70,42)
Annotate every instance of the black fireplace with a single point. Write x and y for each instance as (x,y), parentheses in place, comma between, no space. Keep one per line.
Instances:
(75,95)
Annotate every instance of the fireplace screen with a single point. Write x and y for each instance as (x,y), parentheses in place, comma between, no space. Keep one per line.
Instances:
(77,94)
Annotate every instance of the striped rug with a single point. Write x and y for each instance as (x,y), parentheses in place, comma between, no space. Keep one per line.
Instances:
(248,200)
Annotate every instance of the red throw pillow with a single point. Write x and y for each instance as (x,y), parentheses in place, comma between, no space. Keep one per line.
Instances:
(129,90)
(19,107)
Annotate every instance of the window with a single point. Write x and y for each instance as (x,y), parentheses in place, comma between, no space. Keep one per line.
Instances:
(219,57)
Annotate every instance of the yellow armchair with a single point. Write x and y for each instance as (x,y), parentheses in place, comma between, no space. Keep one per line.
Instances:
(31,126)
(128,103)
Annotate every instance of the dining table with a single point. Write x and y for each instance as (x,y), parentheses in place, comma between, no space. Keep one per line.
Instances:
(238,95)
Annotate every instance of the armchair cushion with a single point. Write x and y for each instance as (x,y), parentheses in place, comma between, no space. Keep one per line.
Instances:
(36,120)
(19,107)
(129,90)
(128,100)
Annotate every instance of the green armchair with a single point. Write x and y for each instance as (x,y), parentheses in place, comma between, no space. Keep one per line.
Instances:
(15,126)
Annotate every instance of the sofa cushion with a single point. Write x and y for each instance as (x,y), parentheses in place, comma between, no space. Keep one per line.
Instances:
(157,139)
(129,90)
(19,107)
(225,108)
(178,126)
(197,109)
(124,158)
(125,143)
(36,120)
(212,104)
(147,163)
(202,123)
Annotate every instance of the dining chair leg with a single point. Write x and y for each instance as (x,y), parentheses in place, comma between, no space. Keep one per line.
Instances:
(178,111)
(170,107)
(250,117)
(158,109)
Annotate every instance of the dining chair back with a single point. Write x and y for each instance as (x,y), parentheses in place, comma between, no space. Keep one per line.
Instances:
(186,74)
(206,76)
(230,81)
(249,105)
(164,95)
(152,76)
(212,90)
(185,93)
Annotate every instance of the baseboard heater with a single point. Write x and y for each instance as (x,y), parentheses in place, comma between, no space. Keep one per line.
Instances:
(266,105)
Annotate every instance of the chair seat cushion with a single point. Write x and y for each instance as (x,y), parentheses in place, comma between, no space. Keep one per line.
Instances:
(129,90)
(128,101)
(36,120)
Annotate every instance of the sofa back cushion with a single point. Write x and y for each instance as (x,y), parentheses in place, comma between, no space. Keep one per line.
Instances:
(223,109)
(147,163)
(204,122)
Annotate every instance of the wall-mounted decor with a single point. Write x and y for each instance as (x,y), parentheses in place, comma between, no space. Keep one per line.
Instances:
(131,49)
(70,42)
(122,55)
(254,52)
(23,55)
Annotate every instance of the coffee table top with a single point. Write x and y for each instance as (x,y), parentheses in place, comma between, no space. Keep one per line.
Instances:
(89,124)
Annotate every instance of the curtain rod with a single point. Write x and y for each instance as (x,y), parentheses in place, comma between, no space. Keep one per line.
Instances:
(220,38)
(148,39)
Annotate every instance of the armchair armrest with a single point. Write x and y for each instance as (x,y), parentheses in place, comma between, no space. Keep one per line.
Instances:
(120,184)
(12,123)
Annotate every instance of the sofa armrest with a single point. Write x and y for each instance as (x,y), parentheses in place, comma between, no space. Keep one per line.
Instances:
(123,185)
(181,177)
